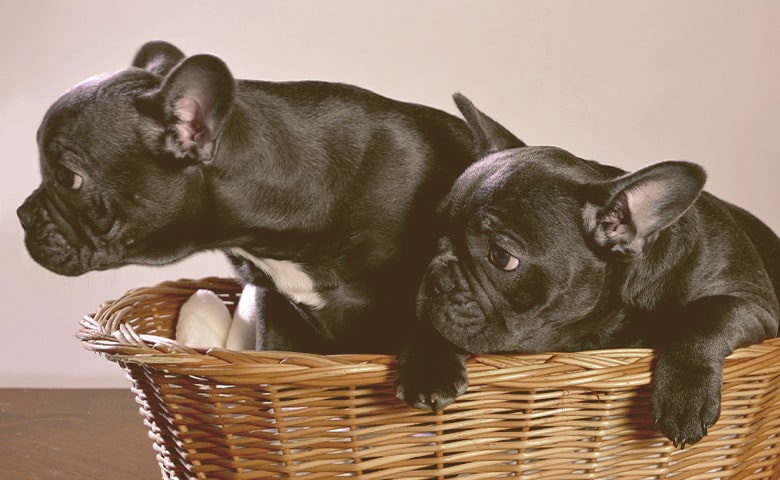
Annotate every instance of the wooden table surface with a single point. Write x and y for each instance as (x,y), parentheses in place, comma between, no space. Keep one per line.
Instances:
(73,434)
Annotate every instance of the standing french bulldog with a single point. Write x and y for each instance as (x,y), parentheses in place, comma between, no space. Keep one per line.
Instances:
(320,193)
(545,251)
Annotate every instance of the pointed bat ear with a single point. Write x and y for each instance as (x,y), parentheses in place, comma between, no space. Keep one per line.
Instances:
(631,210)
(158,57)
(192,103)
(489,135)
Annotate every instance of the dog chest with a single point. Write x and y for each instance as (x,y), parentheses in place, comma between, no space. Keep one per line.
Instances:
(289,278)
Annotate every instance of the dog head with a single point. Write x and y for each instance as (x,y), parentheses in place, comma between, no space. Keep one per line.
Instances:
(124,160)
(530,233)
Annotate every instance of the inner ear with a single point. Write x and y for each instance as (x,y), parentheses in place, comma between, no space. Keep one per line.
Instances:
(192,136)
(196,98)
(637,206)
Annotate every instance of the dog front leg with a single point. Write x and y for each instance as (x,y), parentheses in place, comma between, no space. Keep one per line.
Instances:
(688,372)
(431,372)
(281,326)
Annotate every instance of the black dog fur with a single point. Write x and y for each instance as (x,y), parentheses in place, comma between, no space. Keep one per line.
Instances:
(322,193)
(545,251)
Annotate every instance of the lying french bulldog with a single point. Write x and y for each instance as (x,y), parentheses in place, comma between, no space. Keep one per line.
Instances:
(322,194)
(545,251)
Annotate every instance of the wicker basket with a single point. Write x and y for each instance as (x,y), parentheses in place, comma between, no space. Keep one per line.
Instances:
(250,415)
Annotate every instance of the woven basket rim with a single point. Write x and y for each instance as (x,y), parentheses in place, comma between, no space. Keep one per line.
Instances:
(106,333)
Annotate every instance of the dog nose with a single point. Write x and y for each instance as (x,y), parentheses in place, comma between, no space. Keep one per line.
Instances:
(439,278)
(26,213)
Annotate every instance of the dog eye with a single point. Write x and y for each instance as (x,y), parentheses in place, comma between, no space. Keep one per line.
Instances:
(69,179)
(502,259)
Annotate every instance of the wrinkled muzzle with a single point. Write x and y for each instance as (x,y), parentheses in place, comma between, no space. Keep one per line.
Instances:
(447,300)
(55,240)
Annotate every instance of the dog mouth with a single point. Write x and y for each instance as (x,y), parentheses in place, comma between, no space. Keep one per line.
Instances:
(457,322)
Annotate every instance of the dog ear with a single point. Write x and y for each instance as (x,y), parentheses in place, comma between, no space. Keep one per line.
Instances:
(489,135)
(158,57)
(192,103)
(634,208)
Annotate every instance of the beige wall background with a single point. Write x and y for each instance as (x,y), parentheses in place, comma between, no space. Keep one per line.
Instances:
(626,83)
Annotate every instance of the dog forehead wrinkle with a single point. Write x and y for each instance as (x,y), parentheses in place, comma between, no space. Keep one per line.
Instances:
(289,278)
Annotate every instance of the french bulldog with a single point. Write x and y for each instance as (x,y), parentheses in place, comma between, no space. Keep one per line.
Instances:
(321,194)
(545,251)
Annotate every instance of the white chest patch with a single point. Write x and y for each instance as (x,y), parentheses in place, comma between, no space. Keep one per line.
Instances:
(289,278)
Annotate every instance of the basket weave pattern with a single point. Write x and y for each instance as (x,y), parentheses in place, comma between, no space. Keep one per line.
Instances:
(220,414)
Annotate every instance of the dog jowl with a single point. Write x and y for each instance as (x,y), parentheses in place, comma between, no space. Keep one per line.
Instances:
(548,252)
(322,194)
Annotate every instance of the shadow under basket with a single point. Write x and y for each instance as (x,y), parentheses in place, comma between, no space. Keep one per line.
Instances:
(254,415)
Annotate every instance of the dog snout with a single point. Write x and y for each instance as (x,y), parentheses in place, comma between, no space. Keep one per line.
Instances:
(439,285)
(26,212)
(443,276)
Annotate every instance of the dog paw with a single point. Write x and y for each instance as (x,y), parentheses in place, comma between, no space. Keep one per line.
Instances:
(431,383)
(686,402)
